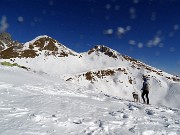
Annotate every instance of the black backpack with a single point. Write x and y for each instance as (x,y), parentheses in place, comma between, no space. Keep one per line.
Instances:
(146,86)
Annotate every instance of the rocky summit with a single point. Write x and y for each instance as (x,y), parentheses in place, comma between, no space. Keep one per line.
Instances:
(6,41)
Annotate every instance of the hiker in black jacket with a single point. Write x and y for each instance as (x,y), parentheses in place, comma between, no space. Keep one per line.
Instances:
(145,90)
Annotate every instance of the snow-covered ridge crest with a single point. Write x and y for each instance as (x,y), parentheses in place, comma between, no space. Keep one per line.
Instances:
(47,43)
(41,45)
(39,37)
(104,49)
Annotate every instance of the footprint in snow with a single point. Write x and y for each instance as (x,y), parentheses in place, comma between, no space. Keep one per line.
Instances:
(75,120)
(113,113)
(177,121)
(166,124)
(134,107)
(36,118)
(116,113)
(125,116)
(150,112)
(120,114)
(164,118)
(132,129)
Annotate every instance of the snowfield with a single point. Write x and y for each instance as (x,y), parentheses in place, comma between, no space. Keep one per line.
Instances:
(35,103)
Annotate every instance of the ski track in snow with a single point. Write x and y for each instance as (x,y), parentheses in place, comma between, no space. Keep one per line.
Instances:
(59,107)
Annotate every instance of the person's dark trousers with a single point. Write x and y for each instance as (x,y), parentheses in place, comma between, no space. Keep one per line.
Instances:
(145,92)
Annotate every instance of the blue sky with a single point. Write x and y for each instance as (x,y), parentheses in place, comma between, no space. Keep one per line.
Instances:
(147,30)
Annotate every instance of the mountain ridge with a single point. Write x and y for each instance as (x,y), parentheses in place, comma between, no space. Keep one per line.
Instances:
(100,68)
(50,46)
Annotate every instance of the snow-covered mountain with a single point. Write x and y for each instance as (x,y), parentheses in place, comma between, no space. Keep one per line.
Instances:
(49,89)
(40,46)
(101,68)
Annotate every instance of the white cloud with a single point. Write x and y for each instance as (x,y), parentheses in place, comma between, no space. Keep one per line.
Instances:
(132,42)
(117,7)
(140,45)
(176,27)
(108,32)
(108,6)
(51,2)
(136,1)
(132,12)
(3,24)
(128,28)
(121,31)
(155,41)
(172,49)
(173,32)
(20,19)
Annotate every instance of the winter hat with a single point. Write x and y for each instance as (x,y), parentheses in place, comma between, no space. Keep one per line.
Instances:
(145,79)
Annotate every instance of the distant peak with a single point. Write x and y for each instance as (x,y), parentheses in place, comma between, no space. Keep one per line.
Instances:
(5,36)
(104,49)
(6,41)
(43,37)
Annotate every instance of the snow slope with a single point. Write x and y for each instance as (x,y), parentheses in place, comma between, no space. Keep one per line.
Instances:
(35,103)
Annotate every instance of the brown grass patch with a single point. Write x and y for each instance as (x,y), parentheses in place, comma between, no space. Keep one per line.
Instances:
(28,53)
(89,76)
(9,53)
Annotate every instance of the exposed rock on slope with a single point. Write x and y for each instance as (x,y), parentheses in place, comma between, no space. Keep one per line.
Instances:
(6,41)
(50,46)
(104,49)
(93,76)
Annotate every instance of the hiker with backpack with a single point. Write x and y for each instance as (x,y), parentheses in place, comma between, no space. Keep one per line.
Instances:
(145,90)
